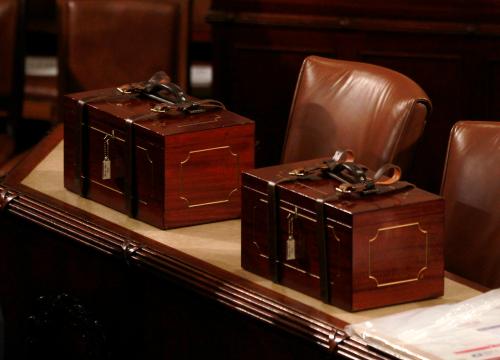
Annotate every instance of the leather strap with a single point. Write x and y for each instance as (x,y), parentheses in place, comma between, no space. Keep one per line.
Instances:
(322,238)
(170,96)
(357,181)
(273,232)
(321,235)
(340,157)
(130,190)
(82,163)
(273,217)
(353,176)
(386,179)
(81,170)
(191,107)
(160,88)
(82,147)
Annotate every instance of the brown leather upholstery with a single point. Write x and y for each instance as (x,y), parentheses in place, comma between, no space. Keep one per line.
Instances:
(376,112)
(11,73)
(471,188)
(109,43)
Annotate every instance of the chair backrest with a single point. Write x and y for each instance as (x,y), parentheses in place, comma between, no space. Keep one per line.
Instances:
(378,113)
(113,42)
(471,188)
(11,61)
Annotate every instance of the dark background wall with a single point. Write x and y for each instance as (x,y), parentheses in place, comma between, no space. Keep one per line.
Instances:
(451,48)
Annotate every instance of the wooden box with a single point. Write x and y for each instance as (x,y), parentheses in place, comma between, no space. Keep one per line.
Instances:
(355,252)
(168,170)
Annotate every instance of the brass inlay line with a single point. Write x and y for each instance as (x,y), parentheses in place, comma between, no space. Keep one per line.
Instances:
(334,232)
(116,191)
(112,135)
(339,222)
(211,202)
(397,227)
(301,271)
(397,282)
(299,207)
(295,268)
(312,188)
(257,191)
(298,214)
(217,118)
(105,186)
(207,149)
(152,171)
(425,232)
(207,203)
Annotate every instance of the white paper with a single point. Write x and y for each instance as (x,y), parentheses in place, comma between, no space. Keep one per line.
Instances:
(462,331)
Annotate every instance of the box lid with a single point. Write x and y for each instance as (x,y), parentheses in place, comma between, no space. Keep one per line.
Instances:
(121,106)
(311,190)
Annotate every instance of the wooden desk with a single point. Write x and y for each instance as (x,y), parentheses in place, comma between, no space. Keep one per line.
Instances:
(125,289)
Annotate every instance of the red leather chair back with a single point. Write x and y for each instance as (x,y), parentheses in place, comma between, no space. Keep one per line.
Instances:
(471,188)
(113,42)
(376,112)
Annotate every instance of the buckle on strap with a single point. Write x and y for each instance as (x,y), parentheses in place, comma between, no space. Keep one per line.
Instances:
(356,180)
(340,157)
(170,96)
(191,107)
(353,177)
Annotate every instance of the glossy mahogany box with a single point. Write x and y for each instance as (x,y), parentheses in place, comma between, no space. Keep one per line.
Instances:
(186,168)
(378,249)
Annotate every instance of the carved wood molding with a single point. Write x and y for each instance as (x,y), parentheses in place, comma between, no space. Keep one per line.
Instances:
(232,294)
(6,197)
(353,23)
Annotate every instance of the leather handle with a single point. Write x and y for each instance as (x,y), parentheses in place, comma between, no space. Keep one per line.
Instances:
(393,170)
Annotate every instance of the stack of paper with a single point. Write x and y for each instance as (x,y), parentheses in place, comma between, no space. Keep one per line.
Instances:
(466,330)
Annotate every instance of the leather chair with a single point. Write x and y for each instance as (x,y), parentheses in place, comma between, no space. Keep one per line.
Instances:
(109,43)
(378,113)
(471,188)
(11,74)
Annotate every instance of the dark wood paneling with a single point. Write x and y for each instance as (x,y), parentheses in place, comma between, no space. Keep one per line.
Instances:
(137,314)
(491,76)
(448,47)
(464,10)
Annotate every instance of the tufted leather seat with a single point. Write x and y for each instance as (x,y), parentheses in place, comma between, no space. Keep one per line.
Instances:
(471,188)
(109,43)
(378,113)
